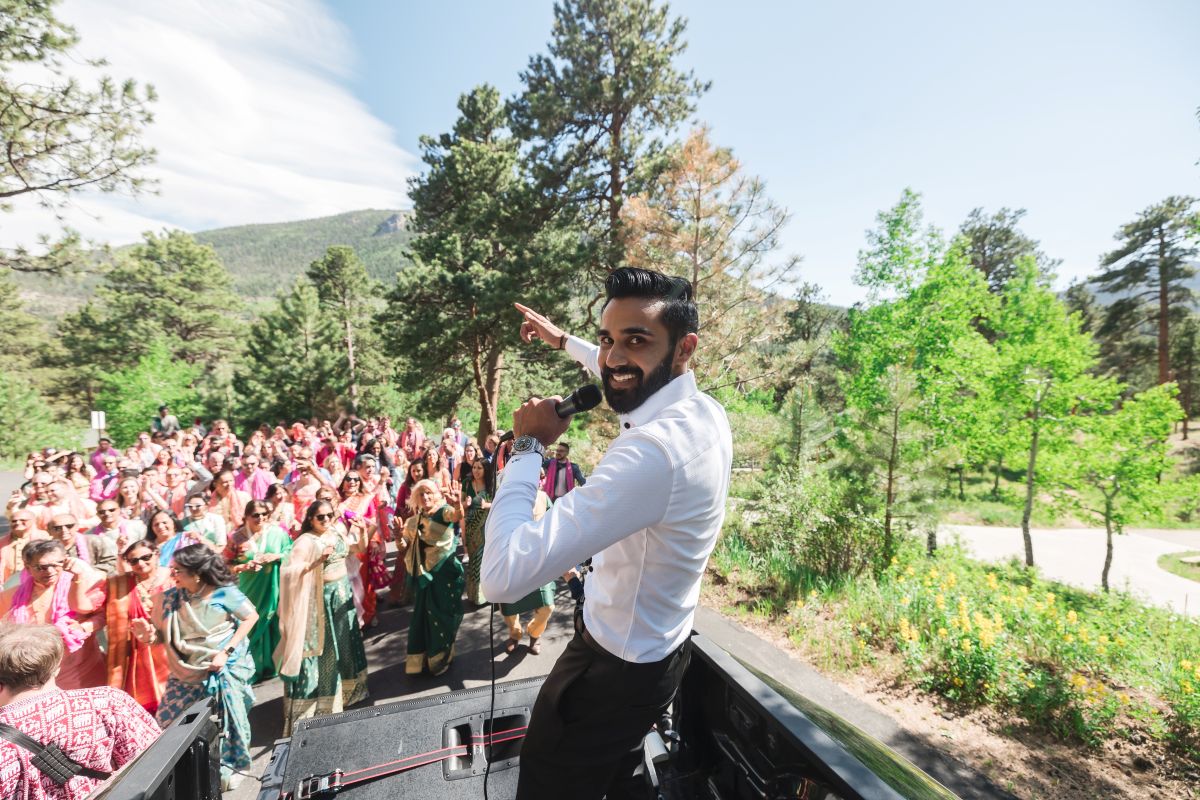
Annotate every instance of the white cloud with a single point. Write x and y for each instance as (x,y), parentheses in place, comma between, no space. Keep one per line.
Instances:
(252,123)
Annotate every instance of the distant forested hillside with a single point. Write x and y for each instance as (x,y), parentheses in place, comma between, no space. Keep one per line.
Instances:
(265,258)
(262,259)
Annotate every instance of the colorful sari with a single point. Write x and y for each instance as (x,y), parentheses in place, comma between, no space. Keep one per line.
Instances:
(194,629)
(261,587)
(139,669)
(436,576)
(363,506)
(320,657)
(473,538)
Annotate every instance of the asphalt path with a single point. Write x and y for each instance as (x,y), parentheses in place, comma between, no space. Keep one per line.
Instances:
(476,658)
(1075,556)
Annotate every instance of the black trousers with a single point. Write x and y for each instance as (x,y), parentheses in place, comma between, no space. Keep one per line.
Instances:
(588,722)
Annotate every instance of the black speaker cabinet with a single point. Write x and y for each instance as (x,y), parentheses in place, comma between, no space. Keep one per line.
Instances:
(414,733)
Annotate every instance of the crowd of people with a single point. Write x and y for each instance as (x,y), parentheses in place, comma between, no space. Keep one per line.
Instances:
(194,564)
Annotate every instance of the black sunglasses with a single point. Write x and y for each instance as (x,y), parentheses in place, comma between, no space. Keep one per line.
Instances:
(323,517)
(139,559)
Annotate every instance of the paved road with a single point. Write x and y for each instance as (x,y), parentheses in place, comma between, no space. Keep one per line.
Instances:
(1076,556)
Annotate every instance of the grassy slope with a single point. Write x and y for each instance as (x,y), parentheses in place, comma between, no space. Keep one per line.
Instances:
(262,258)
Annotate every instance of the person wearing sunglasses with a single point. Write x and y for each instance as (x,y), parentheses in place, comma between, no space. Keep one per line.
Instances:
(316,607)
(139,668)
(254,554)
(357,508)
(60,590)
(120,532)
(204,621)
(203,526)
(22,531)
(98,551)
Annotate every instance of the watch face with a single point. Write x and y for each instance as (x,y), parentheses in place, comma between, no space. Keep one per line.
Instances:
(523,444)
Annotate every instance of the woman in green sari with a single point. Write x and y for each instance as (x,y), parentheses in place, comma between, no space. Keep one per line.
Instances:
(436,576)
(204,623)
(320,655)
(253,553)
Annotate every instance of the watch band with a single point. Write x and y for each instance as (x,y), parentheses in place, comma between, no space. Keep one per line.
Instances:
(527,444)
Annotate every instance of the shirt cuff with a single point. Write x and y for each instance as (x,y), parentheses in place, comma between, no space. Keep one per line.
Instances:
(578,349)
(526,467)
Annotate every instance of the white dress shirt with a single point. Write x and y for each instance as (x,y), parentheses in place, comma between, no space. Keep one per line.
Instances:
(649,517)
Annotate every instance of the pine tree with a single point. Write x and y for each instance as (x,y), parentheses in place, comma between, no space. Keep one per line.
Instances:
(707,221)
(477,249)
(64,130)
(1185,356)
(1148,272)
(596,106)
(292,368)
(169,287)
(994,243)
(346,290)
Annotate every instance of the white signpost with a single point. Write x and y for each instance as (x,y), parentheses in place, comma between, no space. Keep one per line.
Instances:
(93,436)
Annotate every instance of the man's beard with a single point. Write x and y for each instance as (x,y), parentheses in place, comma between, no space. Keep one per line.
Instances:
(624,401)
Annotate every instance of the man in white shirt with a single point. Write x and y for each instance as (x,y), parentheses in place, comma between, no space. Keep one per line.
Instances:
(649,517)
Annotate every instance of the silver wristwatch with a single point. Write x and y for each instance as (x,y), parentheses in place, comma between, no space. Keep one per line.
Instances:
(528,444)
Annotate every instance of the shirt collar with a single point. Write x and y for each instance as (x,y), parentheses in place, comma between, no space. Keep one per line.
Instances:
(680,388)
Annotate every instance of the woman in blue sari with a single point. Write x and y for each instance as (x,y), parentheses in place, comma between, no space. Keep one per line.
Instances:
(204,622)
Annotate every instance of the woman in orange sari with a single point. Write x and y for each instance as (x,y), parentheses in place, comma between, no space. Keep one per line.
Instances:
(134,667)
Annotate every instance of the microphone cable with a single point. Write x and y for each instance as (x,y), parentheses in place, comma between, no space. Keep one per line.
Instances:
(490,722)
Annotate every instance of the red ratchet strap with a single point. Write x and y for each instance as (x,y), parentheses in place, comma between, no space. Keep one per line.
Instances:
(321,786)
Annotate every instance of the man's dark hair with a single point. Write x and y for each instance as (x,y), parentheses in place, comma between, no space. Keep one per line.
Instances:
(40,547)
(564,445)
(679,313)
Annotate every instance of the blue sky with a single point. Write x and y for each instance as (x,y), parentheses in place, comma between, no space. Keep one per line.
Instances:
(273,110)
(1082,113)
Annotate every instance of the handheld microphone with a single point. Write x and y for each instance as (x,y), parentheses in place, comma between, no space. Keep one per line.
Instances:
(585,398)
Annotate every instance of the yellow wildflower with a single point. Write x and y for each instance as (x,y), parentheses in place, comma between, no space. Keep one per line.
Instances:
(1072,617)
(965,644)
(942,633)
(992,582)
(1185,664)
(940,601)
(1068,638)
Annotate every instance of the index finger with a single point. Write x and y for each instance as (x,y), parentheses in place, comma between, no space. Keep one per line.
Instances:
(529,312)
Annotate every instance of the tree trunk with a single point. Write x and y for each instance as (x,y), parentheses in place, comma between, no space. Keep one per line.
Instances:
(1164,364)
(962,494)
(931,540)
(996,481)
(1027,512)
(889,548)
(616,191)
(352,388)
(489,394)
(1108,532)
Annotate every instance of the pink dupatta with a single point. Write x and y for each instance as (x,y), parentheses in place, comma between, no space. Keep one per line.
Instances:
(61,615)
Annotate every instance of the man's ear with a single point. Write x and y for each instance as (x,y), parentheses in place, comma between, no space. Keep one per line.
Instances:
(684,350)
